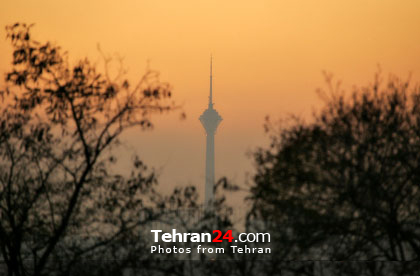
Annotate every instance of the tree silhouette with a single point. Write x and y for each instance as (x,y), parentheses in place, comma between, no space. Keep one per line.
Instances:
(346,185)
(60,200)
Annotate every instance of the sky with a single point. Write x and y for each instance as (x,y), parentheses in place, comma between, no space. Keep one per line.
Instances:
(268,59)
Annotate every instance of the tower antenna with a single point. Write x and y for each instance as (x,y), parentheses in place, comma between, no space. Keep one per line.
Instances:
(211,82)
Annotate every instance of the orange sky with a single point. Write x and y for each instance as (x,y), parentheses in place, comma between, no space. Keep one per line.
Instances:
(268,59)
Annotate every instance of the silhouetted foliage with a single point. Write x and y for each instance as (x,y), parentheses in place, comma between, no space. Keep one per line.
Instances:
(60,200)
(346,185)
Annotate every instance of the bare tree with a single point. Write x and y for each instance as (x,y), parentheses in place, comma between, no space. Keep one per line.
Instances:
(60,125)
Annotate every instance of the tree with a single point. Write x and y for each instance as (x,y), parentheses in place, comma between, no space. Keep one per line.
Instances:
(346,185)
(59,197)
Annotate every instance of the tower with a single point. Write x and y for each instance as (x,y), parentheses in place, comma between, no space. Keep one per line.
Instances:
(210,119)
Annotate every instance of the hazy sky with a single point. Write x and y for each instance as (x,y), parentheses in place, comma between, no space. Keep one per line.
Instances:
(268,59)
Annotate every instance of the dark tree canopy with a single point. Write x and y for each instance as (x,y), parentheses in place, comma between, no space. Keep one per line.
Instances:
(345,186)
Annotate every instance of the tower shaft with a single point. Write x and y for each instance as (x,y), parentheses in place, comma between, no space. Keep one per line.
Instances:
(209,184)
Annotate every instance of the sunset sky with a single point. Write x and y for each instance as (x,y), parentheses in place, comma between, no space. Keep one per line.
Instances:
(268,60)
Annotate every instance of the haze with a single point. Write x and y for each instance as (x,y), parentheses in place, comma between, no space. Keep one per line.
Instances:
(268,59)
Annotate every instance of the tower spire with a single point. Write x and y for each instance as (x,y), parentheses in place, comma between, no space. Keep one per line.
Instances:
(211,82)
